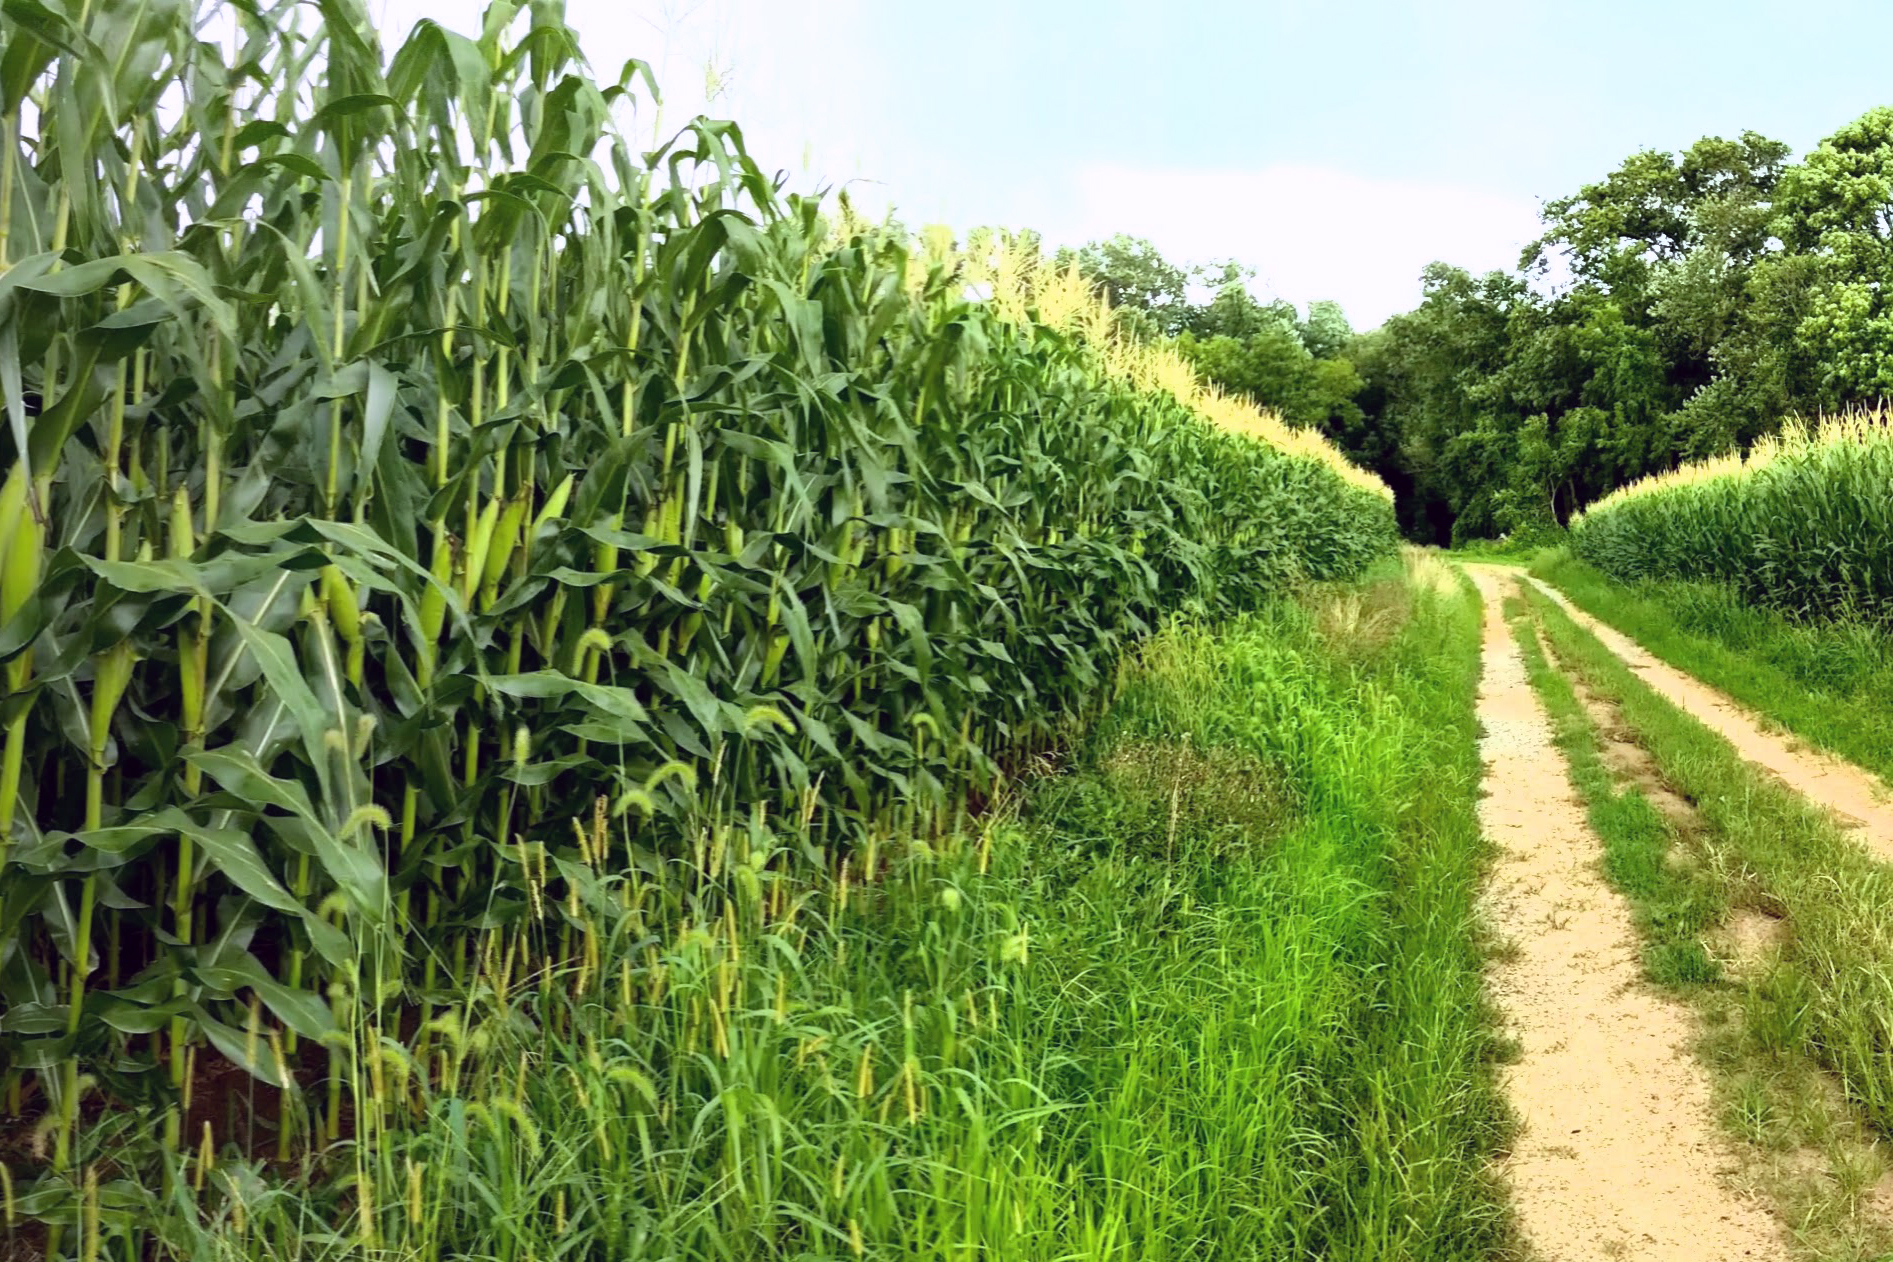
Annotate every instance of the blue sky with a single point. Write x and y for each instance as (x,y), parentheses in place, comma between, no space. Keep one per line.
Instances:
(1335,147)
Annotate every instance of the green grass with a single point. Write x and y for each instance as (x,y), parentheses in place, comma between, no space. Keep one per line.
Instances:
(1828,682)
(1520,546)
(1212,992)
(1500,551)
(1796,1036)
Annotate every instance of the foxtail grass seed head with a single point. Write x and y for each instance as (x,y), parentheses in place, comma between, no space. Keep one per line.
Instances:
(365,1206)
(415,1172)
(89,1236)
(910,1089)
(206,1160)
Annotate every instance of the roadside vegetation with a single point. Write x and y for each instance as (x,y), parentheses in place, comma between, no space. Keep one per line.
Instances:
(1769,576)
(564,701)
(1209,990)
(1798,523)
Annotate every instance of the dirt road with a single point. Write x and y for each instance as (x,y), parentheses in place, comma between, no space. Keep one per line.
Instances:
(1619,1156)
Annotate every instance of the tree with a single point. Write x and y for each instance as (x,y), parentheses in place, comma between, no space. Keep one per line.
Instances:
(1262,351)
(1270,366)
(1836,209)
(1326,331)
(1656,207)
(1149,289)
(1234,311)
(1509,402)
(1433,393)
(1669,240)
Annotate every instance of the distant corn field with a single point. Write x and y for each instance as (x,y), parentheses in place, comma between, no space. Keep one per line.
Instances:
(410,486)
(1803,522)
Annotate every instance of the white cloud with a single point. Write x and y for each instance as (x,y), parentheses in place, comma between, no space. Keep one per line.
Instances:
(1310,232)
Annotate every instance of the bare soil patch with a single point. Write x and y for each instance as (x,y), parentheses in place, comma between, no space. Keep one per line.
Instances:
(1751,937)
(1630,763)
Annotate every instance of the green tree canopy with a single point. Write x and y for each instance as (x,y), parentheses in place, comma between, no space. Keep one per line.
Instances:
(1835,210)
(1150,289)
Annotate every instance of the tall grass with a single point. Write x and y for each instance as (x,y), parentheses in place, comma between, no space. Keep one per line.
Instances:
(1803,522)
(427,517)
(1211,993)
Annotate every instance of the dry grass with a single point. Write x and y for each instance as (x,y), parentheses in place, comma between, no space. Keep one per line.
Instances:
(1428,571)
(1357,619)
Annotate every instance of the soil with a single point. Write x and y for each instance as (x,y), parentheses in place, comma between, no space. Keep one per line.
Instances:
(1855,796)
(1618,1154)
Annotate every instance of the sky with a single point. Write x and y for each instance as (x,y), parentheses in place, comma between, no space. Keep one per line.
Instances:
(1334,147)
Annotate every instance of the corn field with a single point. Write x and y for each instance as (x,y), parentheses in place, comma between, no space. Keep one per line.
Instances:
(1802,523)
(421,503)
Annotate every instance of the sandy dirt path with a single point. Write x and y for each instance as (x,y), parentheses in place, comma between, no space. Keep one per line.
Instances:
(1850,792)
(1618,1156)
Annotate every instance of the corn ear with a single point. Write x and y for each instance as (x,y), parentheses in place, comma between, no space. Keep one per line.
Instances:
(554,508)
(344,611)
(505,538)
(479,546)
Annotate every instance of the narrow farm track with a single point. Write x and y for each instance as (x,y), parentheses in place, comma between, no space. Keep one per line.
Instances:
(1618,1155)
(1855,795)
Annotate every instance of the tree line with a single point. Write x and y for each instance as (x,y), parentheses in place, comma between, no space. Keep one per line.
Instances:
(1679,307)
